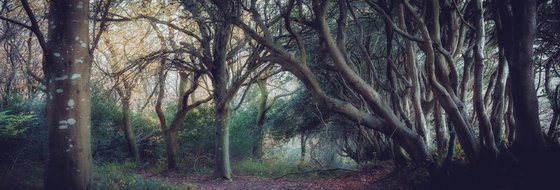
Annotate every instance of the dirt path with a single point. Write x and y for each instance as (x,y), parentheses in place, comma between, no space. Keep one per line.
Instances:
(378,177)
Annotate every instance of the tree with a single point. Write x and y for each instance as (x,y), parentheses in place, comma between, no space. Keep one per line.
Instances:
(219,49)
(67,63)
(518,19)
(66,66)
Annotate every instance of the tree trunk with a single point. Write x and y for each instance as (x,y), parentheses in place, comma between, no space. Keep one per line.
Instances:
(441,130)
(509,116)
(222,169)
(128,131)
(67,64)
(172,148)
(303,147)
(551,134)
(484,125)
(520,25)
(11,59)
(443,90)
(220,76)
(170,135)
(498,104)
(412,74)
(258,149)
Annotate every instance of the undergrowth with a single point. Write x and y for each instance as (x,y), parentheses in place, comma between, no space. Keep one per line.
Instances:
(121,176)
(266,168)
(280,169)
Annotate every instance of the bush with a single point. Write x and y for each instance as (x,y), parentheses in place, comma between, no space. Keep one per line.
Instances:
(22,141)
(243,132)
(119,176)
(108,142)
(274,168)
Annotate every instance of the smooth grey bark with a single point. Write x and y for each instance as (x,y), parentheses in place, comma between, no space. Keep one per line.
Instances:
(484,125)
(67,64)
(220,77)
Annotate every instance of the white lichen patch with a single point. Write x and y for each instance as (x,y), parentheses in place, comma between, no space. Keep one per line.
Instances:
(75,76)
(71,121)
(64,77)
(64,124)
(78,61)
(71,146)
(80,5)
(59,91)
(56,54)
(77,38)
(71,103)
(82,44)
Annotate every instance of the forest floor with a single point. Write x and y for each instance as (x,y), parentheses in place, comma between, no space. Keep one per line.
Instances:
(377,177)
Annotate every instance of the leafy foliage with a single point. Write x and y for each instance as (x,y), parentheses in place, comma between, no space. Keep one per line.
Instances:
(117,176)
(271,168)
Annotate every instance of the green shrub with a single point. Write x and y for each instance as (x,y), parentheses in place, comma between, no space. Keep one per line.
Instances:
(274,168)
(22,141)
(243,132)
(122,176)
(108,142)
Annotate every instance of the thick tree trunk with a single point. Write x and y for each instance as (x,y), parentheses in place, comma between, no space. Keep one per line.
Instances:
(220,76)
(521,25)
(222,168)
(67,64)
(172,148)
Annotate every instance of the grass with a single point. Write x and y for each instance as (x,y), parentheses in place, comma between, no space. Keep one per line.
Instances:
(266,168)
(276,169)
(122,176)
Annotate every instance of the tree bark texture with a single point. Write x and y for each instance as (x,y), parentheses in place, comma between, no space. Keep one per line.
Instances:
(126,120)
(519,36)
(484,125)
(258,146)
(67,64)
